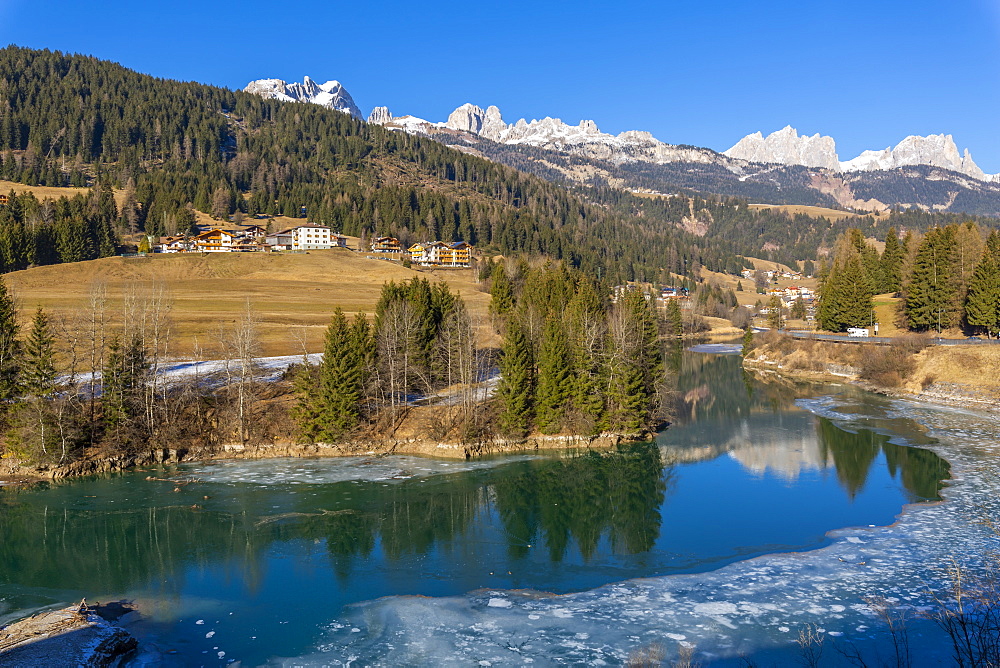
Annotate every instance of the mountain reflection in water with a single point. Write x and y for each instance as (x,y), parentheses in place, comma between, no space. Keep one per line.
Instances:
(722,410)
(301,539)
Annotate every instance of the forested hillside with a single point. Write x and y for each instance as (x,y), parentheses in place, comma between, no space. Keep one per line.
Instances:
(177,147)
(173,146)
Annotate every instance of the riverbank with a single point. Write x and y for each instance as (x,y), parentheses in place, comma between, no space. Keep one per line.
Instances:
(963,376)
(15,473)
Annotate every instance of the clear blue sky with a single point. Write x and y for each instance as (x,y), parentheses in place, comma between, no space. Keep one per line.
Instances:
(703,72)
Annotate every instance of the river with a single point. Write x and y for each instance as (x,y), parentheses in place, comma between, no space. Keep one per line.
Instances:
(766,509)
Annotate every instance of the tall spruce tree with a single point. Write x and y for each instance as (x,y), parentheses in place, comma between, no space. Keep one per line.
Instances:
(982,302)
(10,348)
(846,289)
(38,373)
(330,406)
(675,322)
(993,245)
(35,429)
(554,378)
(587,324)
(892,263)
(123,384)
(501,291)
(635,363)
(516,389)
(930,291)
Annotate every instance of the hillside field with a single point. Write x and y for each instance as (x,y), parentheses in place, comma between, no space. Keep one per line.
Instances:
(293,295)
(812,211)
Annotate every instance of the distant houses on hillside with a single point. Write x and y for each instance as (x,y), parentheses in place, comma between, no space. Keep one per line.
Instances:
(426,253)
(254,239)
(441,254)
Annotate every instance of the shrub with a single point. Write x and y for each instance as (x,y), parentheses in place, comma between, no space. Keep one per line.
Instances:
(887,366)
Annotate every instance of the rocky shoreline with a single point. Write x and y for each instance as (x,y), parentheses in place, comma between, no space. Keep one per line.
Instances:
(79,635)
(14,473)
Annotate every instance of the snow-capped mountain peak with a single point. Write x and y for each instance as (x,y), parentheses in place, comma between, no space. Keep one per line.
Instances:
(935,150)
(331,94)
(786,147)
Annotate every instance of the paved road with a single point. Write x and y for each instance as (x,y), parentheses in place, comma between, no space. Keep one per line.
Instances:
(881,339)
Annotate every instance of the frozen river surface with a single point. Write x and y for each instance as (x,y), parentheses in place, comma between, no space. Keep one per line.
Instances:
(764,512)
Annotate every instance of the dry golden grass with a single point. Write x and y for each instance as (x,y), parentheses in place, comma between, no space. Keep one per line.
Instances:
(886,310)
(43,192)
(973,365)
(812,211)
(294,295)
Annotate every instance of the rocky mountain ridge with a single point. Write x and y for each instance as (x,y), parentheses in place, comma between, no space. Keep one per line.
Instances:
(331,94)
(783,147)
(783,167)
(787,147)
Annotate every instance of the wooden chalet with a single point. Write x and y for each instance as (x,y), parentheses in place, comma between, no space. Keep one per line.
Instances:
(214,241)
(386,245)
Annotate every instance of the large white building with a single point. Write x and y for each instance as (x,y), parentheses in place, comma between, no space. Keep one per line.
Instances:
(306,237)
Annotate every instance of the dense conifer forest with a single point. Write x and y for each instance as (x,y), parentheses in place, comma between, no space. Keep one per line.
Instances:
(947,278)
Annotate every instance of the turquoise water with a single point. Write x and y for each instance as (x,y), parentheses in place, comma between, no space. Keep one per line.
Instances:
(253,561)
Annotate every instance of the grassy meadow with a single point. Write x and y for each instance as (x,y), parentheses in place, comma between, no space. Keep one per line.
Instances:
(292,294)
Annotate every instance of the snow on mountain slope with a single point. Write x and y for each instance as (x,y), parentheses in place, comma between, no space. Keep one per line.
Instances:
(935,150)
(330,94)
(783,147)
(786,147)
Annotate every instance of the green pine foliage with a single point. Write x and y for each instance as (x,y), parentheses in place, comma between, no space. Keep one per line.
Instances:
(67,230)
(634,369)
(775,315)
(501,291)
(516,389)
(892,263)
(331,399)
(848,285)
(10,348)
(38,375)
(123,384)
(932,286)
(555,382)
(982,303)
(675,321)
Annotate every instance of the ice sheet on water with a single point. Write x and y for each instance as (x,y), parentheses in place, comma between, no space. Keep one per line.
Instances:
(293,471)
(759,604)
(717,348)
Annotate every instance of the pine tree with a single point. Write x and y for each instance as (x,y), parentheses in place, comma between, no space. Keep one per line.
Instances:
(330,404)
(675,321)
(35,430)
(123,384)
(982,303)
(516,389)
(846,289)
(775,317)
(635,364)
(10,348)
(587,324)
(554,379)
(798,308)
(501,291)
(38,374)
(993,245)
(892,263)
(930,291)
